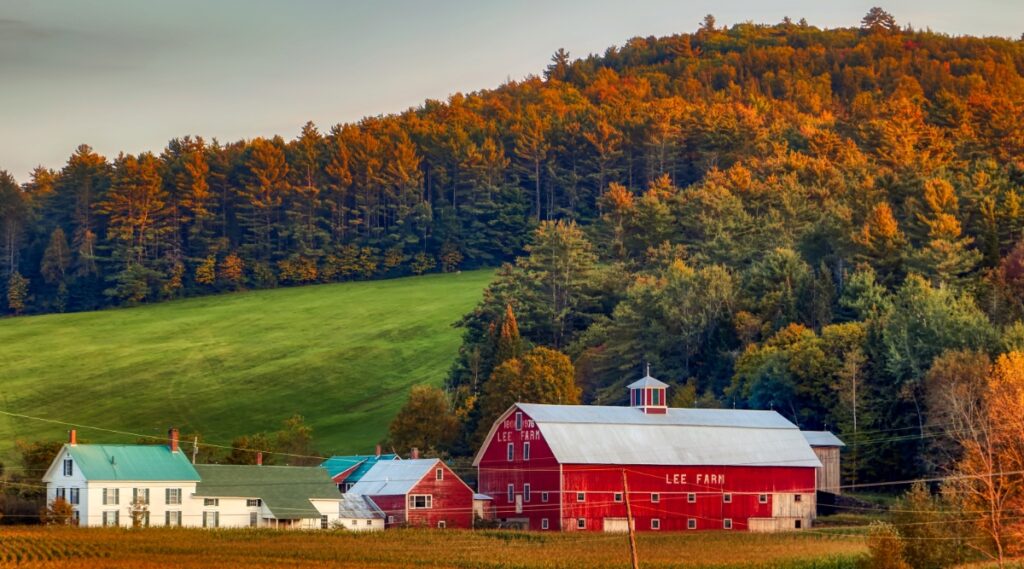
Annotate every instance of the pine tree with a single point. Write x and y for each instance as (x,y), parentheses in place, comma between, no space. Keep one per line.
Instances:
(509,344)
(57,258)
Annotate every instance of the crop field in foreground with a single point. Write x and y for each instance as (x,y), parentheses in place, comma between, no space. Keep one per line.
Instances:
(343,355)
(43,547)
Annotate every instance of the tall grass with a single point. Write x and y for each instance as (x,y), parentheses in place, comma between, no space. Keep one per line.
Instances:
(193,548)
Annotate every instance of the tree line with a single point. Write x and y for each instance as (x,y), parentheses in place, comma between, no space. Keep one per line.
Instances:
(824,223)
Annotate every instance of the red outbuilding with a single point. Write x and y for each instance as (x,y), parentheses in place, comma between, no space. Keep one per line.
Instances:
(568,467)
(419,492)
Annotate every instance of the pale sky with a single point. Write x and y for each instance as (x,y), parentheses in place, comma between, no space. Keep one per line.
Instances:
(132,74)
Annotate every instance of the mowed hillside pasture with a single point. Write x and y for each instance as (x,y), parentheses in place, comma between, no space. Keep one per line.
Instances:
(342,355)
(53,547)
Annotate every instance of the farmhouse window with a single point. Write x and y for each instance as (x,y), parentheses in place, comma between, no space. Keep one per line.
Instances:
(69,467)
(691,498)
(544,523)
(727,523)
(172,519)
(353,522)
(511,454)
(655,498)
(691,523)
(762,498)
(211,519)
(172,496)
(254,519)
(76,517)
(75,496)
(323,522)
(526,451)
(526,492)
(211,502)
(511,493)
(62,494)
(543,496)
(581,523)
(140,496)
(253,503)
(439,474)
(618,496)
(655,523)
(110,518)
(798,498)
(519,421)
(581,497)
(727,498)
(111,496)
(421,501)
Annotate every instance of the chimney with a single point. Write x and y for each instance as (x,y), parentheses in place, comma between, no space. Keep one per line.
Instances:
(72,437)
(415,453)
(378,451)
(172,436)
(259,458)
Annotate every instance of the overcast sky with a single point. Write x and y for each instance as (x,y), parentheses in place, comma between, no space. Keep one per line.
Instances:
(131,74)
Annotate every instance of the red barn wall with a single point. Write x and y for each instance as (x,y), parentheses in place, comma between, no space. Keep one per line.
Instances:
(541,472)
(391,506)
(673,484)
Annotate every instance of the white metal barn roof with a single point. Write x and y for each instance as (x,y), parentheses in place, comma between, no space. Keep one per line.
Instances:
(646,381)
(392,477)
(586,434)
(822,439)
(359,507)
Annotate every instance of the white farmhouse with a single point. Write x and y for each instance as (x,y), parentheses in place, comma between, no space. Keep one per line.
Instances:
(107,484)
(101,482)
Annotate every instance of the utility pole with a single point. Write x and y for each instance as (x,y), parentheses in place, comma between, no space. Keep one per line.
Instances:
(195,448)
(629,522)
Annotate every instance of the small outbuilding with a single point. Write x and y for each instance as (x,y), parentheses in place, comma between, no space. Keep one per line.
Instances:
(346,470)
(359,513)
(827,447)
(418,492)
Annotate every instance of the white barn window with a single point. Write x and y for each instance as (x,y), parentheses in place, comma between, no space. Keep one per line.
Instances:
(421,502)
(655,523)
(691,523)
(526,451)
(519,421)
(511,452)
(511,493)
(526,492)
(544,523)
(727,523)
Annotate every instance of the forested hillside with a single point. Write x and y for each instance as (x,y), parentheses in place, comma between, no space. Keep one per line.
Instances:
(772,215)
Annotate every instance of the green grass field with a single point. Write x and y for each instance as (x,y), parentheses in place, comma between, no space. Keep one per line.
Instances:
(342,355)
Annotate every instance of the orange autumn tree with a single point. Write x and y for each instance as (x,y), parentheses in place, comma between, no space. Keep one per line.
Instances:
(989,482)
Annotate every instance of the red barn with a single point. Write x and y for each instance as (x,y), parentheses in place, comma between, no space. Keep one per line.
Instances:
(565,467)
(420,492)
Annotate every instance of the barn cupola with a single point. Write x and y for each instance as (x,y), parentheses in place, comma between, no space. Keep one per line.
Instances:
(648,394)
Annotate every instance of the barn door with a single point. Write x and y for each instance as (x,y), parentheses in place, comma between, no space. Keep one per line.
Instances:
(616,525)
(519,503)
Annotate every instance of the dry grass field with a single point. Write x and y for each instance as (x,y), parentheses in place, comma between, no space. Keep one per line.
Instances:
(42,547)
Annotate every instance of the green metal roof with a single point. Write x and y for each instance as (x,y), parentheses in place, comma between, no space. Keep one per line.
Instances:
(132,462)
(285,490)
